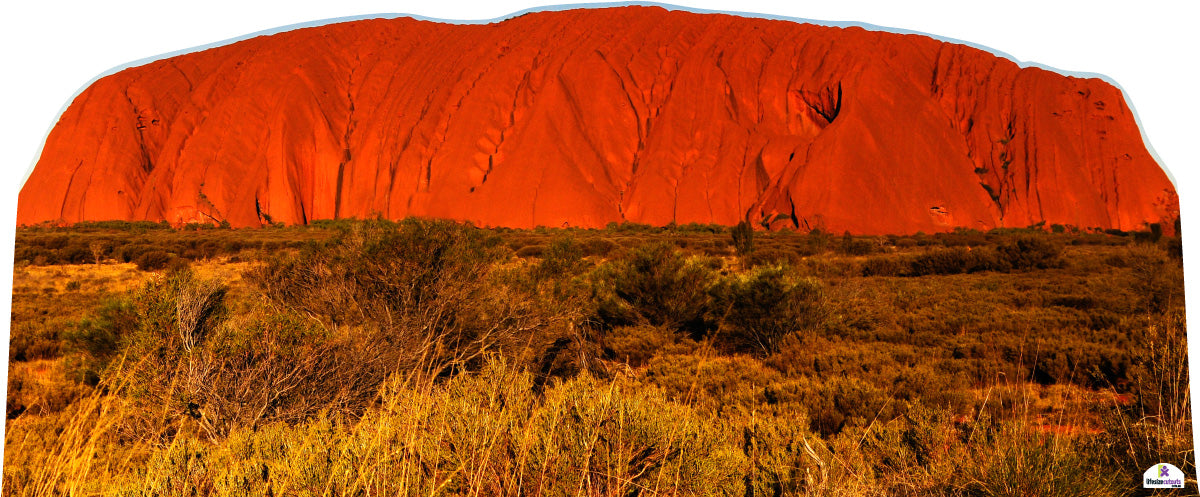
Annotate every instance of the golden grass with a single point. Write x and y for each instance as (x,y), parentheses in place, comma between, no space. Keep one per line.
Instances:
(487,434)
(913,386)
(109,277)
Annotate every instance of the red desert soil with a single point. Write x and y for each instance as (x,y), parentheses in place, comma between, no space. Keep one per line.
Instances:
(585,117)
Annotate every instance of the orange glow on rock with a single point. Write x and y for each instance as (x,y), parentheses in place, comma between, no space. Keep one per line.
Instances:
(585,117)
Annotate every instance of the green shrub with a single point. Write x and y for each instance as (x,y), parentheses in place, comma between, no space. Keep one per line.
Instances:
(942,261)
(172,315)
(153,260)
(759,308)
(562,258)
(657,285)
(99,336)
(279,367)
(192,362)
(1024,253)
(356,277)
(598,247)
(1157,279)
(431,289)
(1175,247)
(1031,252)
(772,257)
(962,237)
(35,255)
(34,341)
(855,246)
(884,266)
(75,253)
(632,228)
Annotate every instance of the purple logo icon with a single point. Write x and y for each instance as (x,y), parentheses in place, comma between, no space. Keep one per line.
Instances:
(1163,471)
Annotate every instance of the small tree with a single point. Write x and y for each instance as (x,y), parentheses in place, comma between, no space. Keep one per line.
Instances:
(1156,232)
(98,248)
(743,239)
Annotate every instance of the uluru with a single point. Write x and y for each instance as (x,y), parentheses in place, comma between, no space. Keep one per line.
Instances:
(592,116)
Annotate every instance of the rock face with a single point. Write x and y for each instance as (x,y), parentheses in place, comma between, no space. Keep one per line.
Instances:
(586,117)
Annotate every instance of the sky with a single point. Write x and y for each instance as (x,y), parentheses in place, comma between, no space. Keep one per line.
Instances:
(50,51)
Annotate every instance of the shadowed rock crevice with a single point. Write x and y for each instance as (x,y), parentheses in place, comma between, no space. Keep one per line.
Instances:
(826,104)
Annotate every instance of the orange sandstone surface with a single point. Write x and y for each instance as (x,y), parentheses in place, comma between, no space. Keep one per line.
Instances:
(586,117)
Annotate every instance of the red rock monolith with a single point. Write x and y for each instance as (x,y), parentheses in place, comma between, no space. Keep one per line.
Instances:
(586,117)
